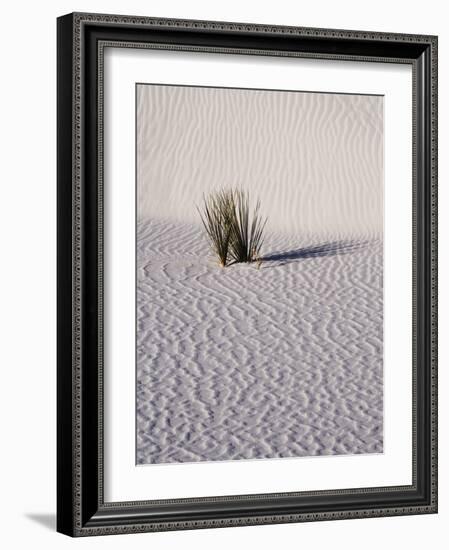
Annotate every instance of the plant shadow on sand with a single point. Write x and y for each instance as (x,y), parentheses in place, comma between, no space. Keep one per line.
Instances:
(334,248)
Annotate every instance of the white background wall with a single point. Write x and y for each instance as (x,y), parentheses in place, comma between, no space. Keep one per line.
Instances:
(27,289)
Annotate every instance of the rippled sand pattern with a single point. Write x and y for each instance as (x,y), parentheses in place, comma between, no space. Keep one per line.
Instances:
(314,160)
(245,363)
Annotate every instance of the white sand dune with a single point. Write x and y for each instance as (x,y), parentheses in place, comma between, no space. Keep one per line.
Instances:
(285,360)
(245,363)
(315,160)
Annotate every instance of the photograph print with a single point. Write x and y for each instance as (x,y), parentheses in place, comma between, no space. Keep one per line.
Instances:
(259,283)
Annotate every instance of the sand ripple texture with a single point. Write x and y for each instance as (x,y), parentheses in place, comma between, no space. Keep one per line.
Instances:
(313,159)
(247,363)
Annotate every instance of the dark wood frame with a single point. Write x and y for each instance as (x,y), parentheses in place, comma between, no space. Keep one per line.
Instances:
(81,509)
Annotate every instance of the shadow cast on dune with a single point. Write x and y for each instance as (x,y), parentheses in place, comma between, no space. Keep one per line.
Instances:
(334,248)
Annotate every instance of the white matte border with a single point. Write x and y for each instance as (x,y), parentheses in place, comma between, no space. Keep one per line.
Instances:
(123,480)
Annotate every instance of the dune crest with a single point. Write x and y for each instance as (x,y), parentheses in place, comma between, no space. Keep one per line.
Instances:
(315,160)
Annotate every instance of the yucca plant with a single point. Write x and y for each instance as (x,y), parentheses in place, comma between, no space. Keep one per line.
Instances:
(246,238)
(226,219)
(217,217)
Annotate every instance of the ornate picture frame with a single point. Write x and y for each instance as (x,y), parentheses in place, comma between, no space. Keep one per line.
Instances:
(81,508)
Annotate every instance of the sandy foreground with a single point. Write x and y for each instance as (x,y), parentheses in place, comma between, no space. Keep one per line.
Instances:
(284,360)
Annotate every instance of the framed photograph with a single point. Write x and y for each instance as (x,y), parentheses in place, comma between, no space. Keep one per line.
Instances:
(247,281)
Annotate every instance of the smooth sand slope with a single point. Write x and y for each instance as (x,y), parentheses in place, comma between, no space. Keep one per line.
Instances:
(244,363)
(314,160)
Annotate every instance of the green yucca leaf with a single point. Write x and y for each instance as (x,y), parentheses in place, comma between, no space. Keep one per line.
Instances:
(216,218)
(246,238)
(226,219)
